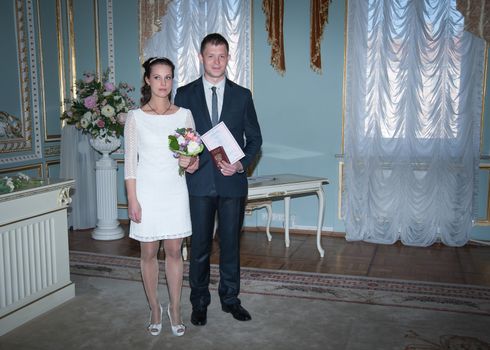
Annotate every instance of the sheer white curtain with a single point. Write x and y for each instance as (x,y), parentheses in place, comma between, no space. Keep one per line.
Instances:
(187,22)
(412,122)
(78,163)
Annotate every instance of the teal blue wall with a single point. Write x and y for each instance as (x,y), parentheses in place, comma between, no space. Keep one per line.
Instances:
(83,20)
(300,112)
(10,97)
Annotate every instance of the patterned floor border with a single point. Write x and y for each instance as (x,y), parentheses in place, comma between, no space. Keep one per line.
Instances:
(318,286)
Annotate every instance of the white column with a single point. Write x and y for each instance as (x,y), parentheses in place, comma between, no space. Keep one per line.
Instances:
(107,223)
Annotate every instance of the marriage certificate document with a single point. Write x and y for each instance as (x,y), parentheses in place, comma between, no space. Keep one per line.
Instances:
(220,135)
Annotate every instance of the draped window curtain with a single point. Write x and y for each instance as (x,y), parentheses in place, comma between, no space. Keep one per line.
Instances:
(412,122)
(187,22)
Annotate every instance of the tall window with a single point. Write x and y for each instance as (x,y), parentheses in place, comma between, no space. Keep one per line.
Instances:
(413,106)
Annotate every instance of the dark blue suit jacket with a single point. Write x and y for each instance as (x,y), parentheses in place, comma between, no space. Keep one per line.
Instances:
(238,113)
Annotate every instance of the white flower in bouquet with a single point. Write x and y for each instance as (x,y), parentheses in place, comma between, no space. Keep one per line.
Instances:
(108,111)
(84,122)
(181,140)
(193,147)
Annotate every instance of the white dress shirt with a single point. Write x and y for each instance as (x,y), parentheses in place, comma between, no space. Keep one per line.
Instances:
(220,91)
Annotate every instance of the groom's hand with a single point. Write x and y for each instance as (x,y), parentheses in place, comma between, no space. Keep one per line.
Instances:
(228,169)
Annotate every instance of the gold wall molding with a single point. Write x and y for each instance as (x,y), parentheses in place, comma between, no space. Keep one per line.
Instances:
(71,49)
(340,190)
(42,77)
(484,93)
(13,170)
(61,55)
(49,164)
(486,220)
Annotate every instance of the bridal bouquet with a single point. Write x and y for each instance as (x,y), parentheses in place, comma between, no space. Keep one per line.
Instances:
(187,142)
(100,108)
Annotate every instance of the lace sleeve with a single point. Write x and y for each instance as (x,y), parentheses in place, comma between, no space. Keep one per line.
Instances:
(189,120)
(130,147)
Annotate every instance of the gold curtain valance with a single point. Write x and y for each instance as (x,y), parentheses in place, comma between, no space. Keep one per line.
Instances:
(476,17)
(274,12)
(150,13)
(318,18)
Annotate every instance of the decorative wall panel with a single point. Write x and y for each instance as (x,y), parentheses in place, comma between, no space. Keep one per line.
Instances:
(19,117)
(49,41)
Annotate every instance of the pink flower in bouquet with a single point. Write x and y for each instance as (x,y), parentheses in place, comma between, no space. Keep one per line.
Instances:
(121,118)
(88,78)
(100,123)
(90,102)
(191,136)
(109,87)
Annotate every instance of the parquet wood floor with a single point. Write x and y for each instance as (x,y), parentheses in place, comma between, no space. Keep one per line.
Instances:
(465,265)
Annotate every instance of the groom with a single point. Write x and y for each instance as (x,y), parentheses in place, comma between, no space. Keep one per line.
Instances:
(222,190)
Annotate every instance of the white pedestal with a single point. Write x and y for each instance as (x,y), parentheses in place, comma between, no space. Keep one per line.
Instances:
(107,223)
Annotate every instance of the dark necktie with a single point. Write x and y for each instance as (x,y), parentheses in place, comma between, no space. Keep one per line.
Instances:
(214,107)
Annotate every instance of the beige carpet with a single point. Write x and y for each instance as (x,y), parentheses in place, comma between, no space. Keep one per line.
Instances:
(290,310)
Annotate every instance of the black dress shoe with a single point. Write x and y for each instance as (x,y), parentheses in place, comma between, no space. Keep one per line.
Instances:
(199,317)
(237,311)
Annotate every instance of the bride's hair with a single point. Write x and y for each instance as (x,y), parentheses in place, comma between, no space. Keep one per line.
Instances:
(147,66)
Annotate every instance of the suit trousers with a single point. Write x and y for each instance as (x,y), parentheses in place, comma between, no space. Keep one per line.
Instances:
(230,212)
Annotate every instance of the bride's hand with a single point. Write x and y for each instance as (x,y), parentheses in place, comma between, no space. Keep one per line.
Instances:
(184,161)
(194,165)
(134,211)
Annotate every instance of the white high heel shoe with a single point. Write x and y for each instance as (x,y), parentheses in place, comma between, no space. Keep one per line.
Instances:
(156,328)
(177,330)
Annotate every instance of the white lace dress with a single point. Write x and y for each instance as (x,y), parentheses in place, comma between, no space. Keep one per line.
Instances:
(160,190)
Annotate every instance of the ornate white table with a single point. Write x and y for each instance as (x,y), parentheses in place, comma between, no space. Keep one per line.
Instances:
(284,186)
(34,261)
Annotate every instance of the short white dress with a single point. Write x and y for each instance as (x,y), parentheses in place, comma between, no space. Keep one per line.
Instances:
(160,190)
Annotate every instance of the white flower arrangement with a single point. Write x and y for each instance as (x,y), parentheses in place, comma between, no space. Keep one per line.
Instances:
(11,183)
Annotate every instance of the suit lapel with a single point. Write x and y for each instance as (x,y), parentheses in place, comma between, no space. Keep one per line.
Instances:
(227,98)
(201,102)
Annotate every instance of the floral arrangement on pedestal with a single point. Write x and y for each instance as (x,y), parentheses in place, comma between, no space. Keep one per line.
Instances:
(100,108)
